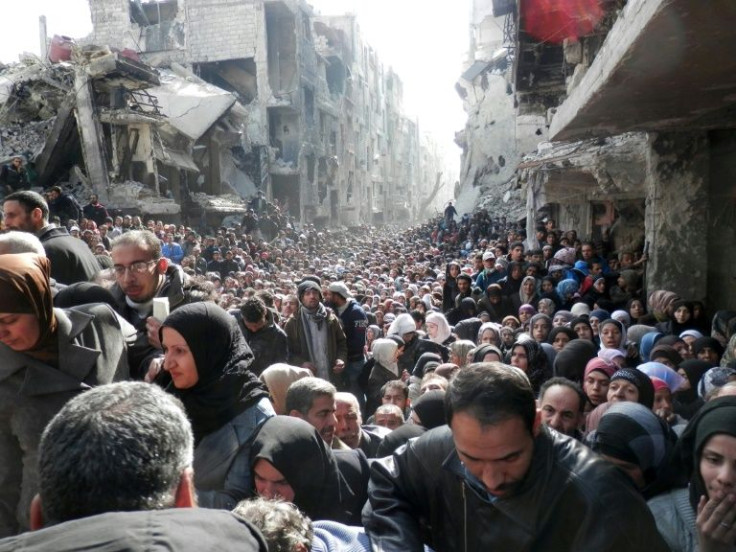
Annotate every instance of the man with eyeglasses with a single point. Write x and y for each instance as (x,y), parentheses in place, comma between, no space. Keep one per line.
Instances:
(142,273)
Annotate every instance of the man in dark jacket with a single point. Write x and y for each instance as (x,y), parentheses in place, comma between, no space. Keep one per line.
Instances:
(496,479)
(266,339)
(354,323)
(63,205)
(99,490)
(71,259)
(95,210)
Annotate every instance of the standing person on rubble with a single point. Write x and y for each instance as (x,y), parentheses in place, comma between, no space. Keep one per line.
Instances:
(13,176)
(450,213)
(95,210)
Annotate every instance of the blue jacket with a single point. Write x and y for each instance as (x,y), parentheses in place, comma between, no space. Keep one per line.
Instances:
(354,323)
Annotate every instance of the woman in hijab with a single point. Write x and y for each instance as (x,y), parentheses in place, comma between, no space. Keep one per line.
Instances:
(530,358)
(612,334)
(487,353)
(428,412)
(278,377)
(489,334)
(385,368)
(701,515)
(291,461)
(566,291)
(639,442)
(686,402)
(208,361)
(680,318)
(539,327)
(708,349)
(724,326)
(47,356)
(560,336)
(527,292)
(438,330)
(546,306)
(571,361)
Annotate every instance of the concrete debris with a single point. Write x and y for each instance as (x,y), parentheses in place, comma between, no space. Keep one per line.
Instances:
(229,203)
(27,139)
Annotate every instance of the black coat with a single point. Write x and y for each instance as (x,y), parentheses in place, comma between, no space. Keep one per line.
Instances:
(570,499)
(269,344)
(71,259)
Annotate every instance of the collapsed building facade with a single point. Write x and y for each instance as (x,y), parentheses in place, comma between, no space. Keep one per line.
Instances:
(636,120)
(192,106)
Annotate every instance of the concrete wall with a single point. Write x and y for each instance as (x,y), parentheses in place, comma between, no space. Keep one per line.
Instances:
(222,29)
(677,214)
(722,222)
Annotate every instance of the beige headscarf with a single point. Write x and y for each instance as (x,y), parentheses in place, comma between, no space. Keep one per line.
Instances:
(278,378)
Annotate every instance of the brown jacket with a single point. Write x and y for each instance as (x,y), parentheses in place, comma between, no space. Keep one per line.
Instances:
(299,352)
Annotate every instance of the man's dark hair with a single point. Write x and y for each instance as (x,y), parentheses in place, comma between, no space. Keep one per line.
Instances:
(491,392)
(265,296)
(253,310)
(418,316)
(464,276)
(301,394)
(395,384)
(564,382)
(143,239)
(516,244)
(118,447)
(29,201)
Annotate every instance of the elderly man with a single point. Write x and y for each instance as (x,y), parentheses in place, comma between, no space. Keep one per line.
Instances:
(115,473)
(71,259)
(313,400)
(315,338)
(350,429)
(561,404)
(496,479)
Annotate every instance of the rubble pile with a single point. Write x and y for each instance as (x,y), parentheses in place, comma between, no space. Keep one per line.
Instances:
(25,139)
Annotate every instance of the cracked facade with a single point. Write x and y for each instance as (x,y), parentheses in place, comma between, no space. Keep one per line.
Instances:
(316,120)
(631,135)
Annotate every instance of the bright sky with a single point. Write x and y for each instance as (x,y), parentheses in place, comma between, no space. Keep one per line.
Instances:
(424,40)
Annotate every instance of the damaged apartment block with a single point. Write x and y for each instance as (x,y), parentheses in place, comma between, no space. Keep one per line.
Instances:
(188,108)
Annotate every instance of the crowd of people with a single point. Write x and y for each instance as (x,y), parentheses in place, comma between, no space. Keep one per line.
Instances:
(456,386)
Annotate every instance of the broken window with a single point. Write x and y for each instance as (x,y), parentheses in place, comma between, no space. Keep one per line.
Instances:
(147,13)
(308,104)
(281,44)
(336,76)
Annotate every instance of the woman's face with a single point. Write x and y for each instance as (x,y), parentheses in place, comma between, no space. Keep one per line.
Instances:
(508,337)
(432,329)
(524,316)
(596,387)
(594,323)
(540,330)
(270,482)
(561,339)
(682,315)
(611,336)
(583,331)
(20,332)
(621,390)
(488,337)
(519,359)
(558,321)
(663,402)
(545,308)
(454,270)
(718,466)
(528,287)
(178,359)
(709,355)
(636,309)
(600,285)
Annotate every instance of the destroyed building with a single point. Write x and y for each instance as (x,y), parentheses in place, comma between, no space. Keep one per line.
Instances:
(637,134)
(186,108)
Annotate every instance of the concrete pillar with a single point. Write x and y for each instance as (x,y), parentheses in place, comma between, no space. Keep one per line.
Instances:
(91,136)
(722,223)
(676,216)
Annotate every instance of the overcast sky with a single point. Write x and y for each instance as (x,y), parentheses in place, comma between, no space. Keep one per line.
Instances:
(424,40)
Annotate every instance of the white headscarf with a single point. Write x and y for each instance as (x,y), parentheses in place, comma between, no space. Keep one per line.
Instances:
(384,351)
(443,328)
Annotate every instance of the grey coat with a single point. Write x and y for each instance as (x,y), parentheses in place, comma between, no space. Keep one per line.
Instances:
(92,351)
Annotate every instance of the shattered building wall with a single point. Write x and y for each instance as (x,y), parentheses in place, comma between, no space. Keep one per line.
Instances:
(494,138)
(310,121)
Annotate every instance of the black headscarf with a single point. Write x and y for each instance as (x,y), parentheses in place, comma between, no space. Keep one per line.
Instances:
(226,386)
(641,381)
(538,370)
(570,362)
(422,362)
(296,449)
(687,403)
(430,408)
(717,416)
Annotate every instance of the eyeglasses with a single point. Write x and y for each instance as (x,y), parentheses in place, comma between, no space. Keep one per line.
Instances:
(139,267)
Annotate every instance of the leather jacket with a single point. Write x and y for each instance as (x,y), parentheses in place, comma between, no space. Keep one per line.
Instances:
(569,500)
